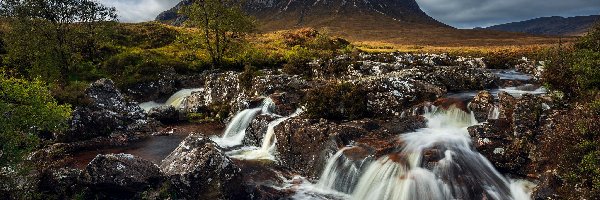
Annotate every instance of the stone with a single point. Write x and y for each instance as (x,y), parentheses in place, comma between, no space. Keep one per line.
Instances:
(165,114)
(107,113)
(482,105)
(121,175)
(199,169)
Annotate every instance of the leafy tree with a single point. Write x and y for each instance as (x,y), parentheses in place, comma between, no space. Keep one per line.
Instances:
(47,38)
(222,23)
(27,109)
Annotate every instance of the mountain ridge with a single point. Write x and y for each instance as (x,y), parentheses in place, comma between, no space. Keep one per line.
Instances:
(553,26)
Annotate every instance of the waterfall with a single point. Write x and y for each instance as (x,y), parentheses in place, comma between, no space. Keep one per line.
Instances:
(268,147)
(494,113)
(341,173)
(236,129)
(175,100)
(459,173)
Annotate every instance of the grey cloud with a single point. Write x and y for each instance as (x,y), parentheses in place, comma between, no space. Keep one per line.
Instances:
(473,13)
(457,13)
(139,10)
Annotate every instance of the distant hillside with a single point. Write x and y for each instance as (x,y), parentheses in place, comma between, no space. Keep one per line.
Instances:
(571,26)
(285,14)
(399,22)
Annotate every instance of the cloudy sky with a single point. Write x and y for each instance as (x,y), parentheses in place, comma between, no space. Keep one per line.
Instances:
(483,13)
(139,10)
(457,13)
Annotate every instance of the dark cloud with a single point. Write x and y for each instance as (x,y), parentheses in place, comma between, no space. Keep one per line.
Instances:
(483,13)
(139,10)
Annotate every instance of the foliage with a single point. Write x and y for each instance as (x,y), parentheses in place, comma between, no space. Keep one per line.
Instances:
(48,38)
(337,102)
(222,23)
(576,71)
(28,109)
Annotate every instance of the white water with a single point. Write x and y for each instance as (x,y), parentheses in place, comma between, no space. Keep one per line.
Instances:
(461,173)
(236,129)
(175,100)
(494,113)
(268,148)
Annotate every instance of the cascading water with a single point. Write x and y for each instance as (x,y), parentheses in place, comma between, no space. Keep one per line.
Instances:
(341,173)
(460,173)
(494,113)
(268,147)
(175,100)
(236,129)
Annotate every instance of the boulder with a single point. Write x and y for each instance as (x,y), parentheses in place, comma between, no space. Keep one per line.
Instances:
(107,113)
(199,169)
(62,183)
(527,114)
(121,175)
(305,145)
(482,105)
(165,114)
(389,95)
(257,130)
(454,78)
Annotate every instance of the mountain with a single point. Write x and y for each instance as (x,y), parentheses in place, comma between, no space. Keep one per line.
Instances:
(571,26)
(346,14)
(377,22)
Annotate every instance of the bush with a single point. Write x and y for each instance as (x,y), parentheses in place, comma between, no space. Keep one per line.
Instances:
(576,71)
(133,67)
(28,110)
(337,102)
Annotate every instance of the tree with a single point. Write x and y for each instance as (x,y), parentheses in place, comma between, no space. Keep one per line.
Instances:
(222,23)
(46,38)
(27,109)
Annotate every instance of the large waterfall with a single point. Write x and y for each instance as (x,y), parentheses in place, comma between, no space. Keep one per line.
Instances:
(458,173)
(236,129)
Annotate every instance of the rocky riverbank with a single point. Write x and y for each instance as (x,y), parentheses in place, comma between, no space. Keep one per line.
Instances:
(395,91)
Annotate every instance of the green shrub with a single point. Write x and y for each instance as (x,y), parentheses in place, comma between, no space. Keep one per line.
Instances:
(337,102)
(133,67)
(27,109)
(297,61)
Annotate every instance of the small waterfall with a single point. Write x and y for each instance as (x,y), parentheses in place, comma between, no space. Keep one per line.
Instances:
(494,113)
(236,129)
(341,174)
(458,173)
(175,100)
(268,147)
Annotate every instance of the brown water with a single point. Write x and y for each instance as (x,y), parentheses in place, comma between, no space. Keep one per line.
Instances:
(153,148)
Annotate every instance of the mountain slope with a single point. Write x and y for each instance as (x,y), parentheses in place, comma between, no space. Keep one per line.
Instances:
(286,14)
(398,22)
(570,26)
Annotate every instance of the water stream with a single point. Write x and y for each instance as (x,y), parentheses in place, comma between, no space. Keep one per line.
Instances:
(459,173)
(268,148)
(175,100)
(236,129)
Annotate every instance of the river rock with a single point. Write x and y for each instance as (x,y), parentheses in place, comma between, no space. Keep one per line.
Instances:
(165,114)
(481,105)
(257,130)
(454,78)
(199,169)
(107,113)
(121,175)
(527,114)
(62,183)
(304,144)
(391,94)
